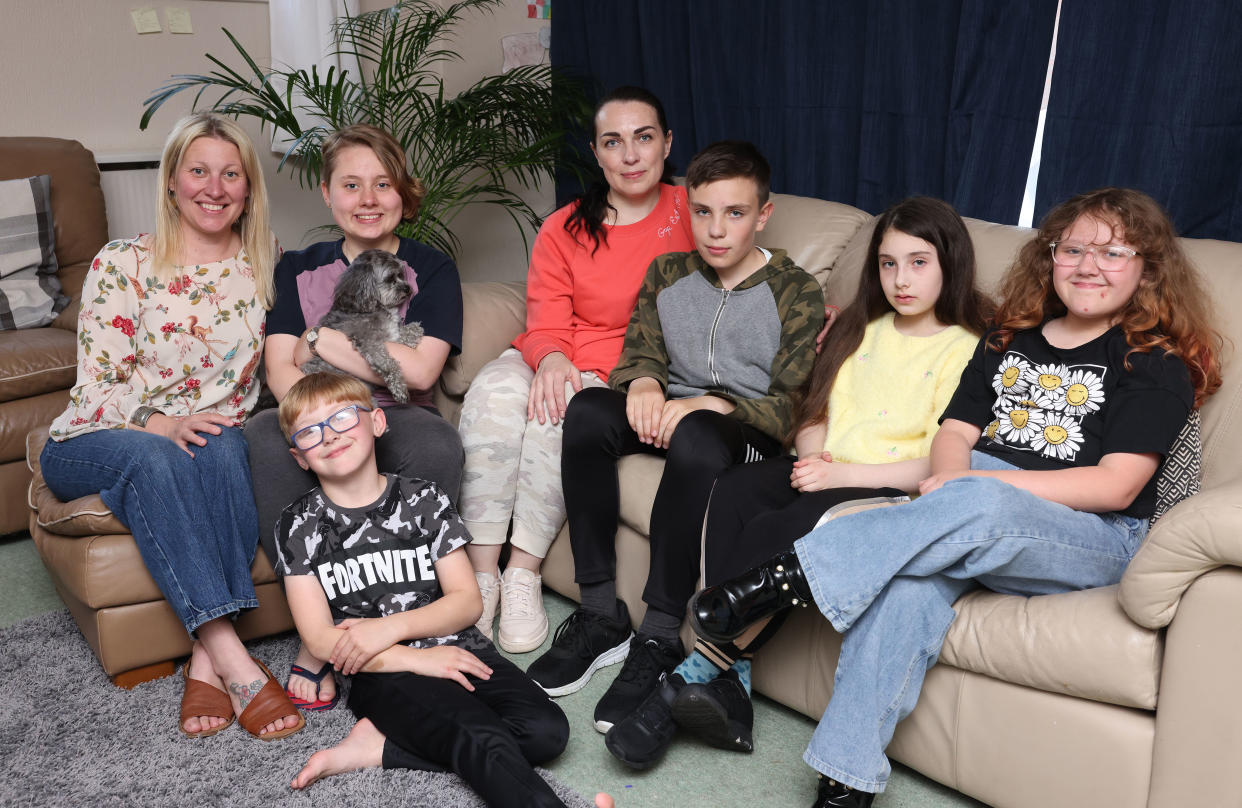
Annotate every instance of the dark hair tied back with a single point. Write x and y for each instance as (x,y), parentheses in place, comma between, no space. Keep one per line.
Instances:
(592,209)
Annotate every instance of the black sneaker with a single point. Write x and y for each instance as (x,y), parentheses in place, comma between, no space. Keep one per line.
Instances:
(639,739)
(838,795)
(719,712)
(583,644)
(648,658)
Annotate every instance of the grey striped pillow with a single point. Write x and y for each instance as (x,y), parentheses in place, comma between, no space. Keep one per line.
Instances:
(30,292)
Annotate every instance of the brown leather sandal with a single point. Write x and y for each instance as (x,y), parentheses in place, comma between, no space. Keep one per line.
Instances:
(201,698)
(272,702)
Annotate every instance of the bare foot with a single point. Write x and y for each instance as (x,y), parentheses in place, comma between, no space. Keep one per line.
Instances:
(362,748)
(302,688)
(602,800)
(201,669)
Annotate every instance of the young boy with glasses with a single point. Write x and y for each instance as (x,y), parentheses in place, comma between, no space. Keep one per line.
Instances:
(378,586)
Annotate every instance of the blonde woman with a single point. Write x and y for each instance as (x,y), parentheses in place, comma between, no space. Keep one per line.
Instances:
(168,344)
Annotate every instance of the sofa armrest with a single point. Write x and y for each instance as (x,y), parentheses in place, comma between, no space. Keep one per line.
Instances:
(1198,535)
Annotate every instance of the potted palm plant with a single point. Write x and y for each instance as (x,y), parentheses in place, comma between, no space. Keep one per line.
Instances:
(503,134)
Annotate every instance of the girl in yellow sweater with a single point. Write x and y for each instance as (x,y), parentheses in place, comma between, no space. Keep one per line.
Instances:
(865,422)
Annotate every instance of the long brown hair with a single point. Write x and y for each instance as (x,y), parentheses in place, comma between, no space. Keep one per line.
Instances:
(1168,311)
(959,303)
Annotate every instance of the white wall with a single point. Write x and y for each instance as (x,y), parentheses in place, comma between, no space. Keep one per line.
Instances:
(492,248)
(77,69)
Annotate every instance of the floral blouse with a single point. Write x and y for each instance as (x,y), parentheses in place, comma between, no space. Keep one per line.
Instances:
(188,345)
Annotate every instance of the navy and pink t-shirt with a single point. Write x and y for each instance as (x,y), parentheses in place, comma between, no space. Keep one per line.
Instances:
(305,280)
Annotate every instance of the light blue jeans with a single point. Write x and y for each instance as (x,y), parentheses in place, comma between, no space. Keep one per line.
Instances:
(193,518)
(887,579)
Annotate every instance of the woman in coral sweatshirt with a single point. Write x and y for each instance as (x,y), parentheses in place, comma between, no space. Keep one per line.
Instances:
(585,269)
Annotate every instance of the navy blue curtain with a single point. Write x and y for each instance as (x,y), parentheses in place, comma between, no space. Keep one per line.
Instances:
(858,101)
(1148,94)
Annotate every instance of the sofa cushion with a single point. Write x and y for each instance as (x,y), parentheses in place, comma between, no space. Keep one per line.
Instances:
(36,361)
(496,314)
(84,516)
(30,293)
(77,198)
(19,418)
(812,231)
(1076,643)
(639,477)
(90,551)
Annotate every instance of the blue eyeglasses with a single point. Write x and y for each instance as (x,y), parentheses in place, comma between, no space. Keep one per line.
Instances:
(343,420)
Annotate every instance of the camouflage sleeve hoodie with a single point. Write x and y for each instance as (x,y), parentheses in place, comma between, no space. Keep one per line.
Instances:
(753,344)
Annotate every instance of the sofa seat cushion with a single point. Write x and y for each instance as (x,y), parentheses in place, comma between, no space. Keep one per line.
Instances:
(639,476)
(1077,644)
(106,569)
(35,361)
(90,551)
(84,516)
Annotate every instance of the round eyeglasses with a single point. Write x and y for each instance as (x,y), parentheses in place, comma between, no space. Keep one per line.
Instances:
(1108,257)
(343,420)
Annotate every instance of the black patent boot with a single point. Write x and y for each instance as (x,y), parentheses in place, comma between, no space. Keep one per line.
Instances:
(838,795)
(722,612)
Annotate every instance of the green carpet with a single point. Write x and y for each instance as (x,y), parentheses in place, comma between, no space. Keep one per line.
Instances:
(25,588)
(691,774)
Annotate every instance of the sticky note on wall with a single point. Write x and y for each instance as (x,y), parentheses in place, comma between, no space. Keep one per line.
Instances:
(146,21)
(178,20)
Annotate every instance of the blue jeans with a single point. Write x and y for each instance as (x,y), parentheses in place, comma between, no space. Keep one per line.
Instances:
(193,518)
(887,579)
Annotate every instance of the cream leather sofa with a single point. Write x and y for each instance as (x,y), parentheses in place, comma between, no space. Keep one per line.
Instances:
(1123,696)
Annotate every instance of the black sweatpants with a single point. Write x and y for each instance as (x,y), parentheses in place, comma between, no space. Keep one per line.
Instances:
(755,513)
(490,737)
(596,435)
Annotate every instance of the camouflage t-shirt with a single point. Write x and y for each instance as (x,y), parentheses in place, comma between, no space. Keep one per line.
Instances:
(379,559)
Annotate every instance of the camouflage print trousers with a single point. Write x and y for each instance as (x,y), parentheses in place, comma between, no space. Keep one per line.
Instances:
(513,466)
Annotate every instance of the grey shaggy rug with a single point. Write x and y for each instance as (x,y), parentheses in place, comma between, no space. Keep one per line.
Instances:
(69,737)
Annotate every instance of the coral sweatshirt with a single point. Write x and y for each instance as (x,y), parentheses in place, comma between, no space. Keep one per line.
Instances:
(578,303)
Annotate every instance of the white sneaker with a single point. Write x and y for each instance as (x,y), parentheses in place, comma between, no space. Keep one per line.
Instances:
(489,587)
(523,623)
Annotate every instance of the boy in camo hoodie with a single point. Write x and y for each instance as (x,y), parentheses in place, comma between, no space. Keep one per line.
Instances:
(719,340)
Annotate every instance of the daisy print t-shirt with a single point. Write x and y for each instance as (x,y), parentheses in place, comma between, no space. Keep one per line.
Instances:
(379,559)
(1041,407)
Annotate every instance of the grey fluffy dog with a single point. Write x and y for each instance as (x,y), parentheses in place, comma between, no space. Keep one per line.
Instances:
(364,308)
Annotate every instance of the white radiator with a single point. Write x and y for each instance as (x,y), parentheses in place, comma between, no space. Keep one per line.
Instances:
(129,187)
